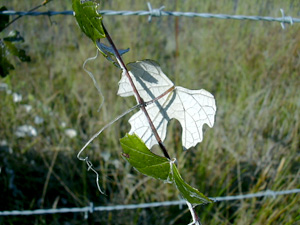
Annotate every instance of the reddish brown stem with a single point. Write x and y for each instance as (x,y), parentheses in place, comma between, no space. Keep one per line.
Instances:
(160,96)
(139,98)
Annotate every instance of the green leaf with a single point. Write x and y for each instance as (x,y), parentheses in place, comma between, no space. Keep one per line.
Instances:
(88,18)
(20,53)
(192,195)
(143,160)
(90,22)
(6,48)
(5,65)
(4,19)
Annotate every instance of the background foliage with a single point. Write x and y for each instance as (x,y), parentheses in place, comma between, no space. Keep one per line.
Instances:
(252,68)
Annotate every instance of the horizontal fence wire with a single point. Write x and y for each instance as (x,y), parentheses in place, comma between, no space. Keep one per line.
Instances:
(159,12)
(91,208)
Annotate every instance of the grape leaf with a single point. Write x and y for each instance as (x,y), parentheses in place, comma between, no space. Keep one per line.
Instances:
(90,22)
(192,108)
(143,160)
(192,195)
(88,18)
(146,162)
(5,65)
(20,53)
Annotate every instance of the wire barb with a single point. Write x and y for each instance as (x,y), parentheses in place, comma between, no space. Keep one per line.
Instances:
(286,19)
(154,12)
(91,207)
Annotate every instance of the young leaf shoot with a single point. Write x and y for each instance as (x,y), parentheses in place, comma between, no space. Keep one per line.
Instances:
(88,19)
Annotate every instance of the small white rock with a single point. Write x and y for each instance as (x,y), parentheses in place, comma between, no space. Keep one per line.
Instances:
(27,108)
(116,163)
(3,142)
(38,120)
(71,133)
(17,97)
(26,130)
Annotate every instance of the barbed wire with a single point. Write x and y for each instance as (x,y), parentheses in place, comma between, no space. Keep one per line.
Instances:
(91,208)
(160,12)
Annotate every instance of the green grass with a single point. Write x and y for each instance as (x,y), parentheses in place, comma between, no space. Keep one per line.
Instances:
(252,68)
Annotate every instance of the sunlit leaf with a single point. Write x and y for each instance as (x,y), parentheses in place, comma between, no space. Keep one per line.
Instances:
(143,160)
(4,19)
(192,108)
(88,18)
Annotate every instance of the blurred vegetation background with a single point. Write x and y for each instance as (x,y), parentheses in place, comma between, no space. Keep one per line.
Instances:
(252,68)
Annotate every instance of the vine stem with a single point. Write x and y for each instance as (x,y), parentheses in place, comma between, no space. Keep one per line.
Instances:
(138,96)
(195,217)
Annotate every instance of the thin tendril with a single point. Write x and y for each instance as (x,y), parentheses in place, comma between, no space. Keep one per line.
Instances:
(93,78)
(86,159)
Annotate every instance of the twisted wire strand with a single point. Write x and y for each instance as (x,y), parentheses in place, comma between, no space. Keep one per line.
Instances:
(92,209)
(159,12)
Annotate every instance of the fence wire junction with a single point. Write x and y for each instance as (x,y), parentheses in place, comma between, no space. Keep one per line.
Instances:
(92,209)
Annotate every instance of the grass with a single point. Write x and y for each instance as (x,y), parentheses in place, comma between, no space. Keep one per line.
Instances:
(252,68)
